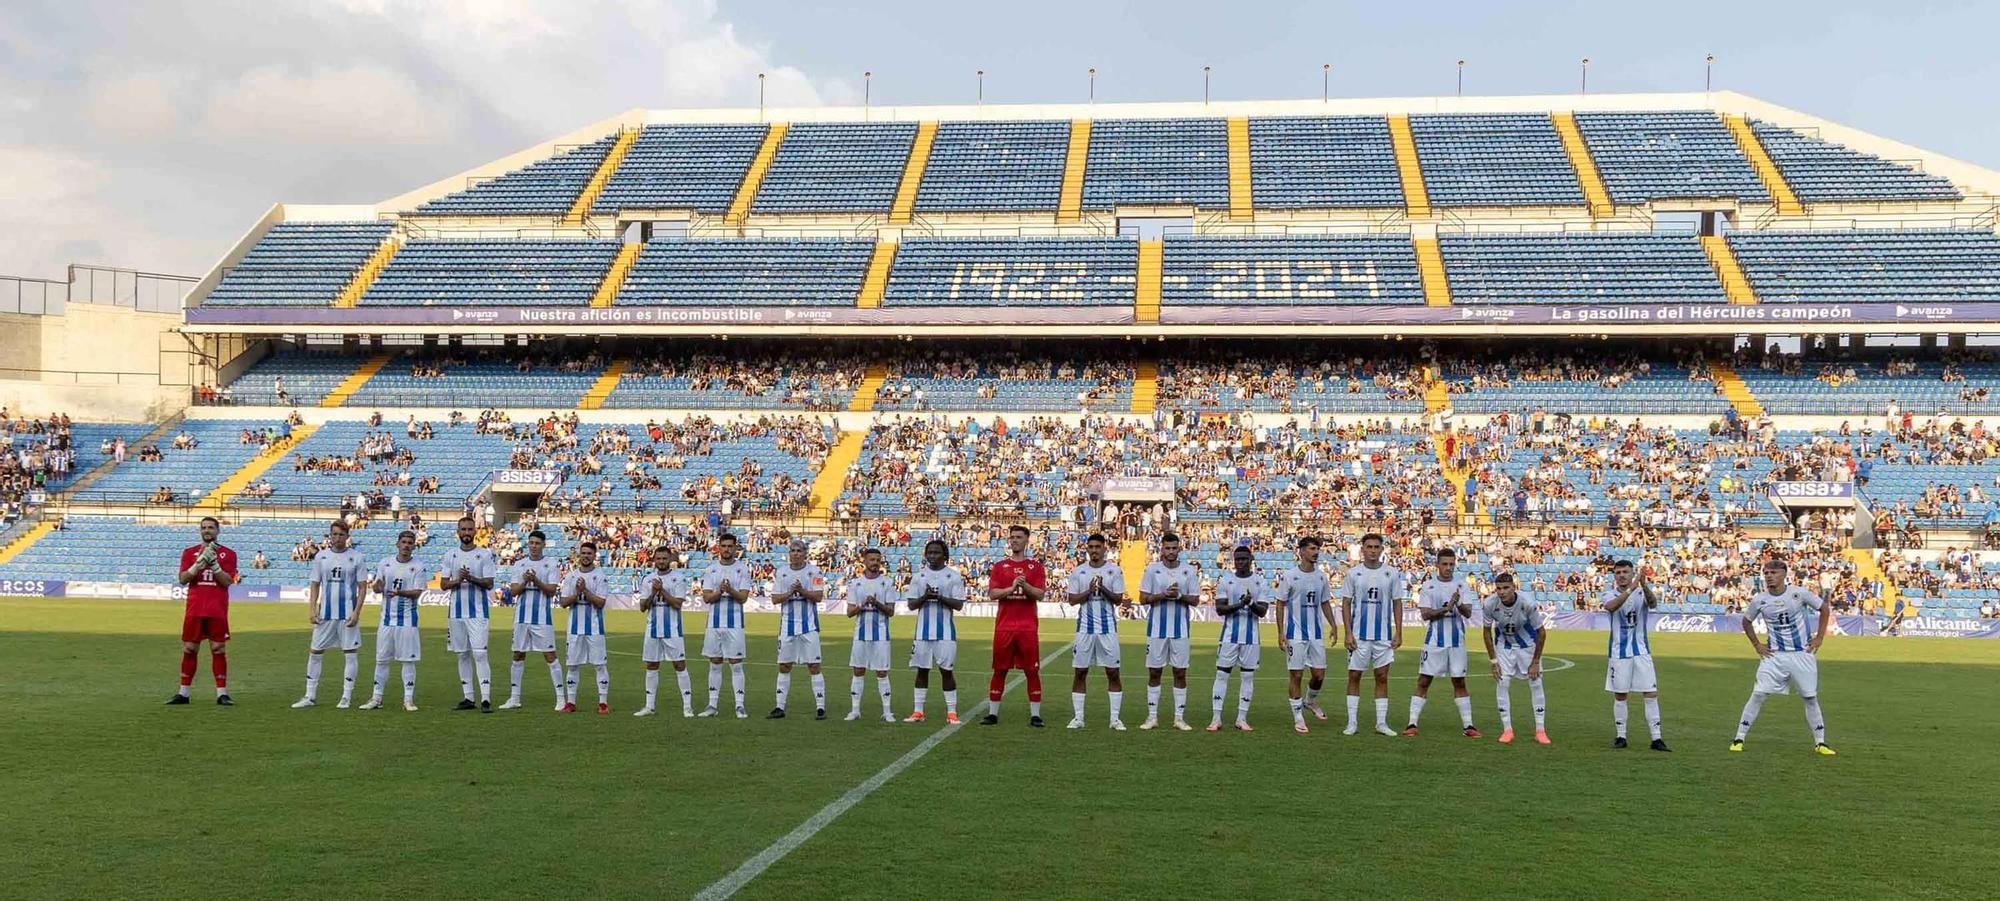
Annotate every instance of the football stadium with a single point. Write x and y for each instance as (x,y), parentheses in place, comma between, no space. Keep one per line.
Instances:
(613,517)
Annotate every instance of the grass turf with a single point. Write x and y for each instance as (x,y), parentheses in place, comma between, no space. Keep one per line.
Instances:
(111,794)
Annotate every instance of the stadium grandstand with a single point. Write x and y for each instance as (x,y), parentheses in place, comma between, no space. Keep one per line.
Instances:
(1678,327)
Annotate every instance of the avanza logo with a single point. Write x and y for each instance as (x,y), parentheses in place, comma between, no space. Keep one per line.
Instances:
(1924,312)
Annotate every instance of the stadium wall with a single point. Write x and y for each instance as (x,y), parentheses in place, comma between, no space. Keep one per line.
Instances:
(96,363)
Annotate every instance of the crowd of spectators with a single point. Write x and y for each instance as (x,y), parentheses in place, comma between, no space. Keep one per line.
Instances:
(819,382)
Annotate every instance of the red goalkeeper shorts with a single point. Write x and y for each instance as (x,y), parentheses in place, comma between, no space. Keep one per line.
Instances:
(1016,649)
(204,628)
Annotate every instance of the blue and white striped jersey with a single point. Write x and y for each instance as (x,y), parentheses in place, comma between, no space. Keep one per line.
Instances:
(1098,615)
(394,575)
(586,618)
(1240,627)
(469,601)
(1303,592)
(338,575)
(1516,625)
(534,607)
(663,620)
(872,624)
(726,612)
(1791,617)
(1375,597)
(935,621)
(1447,631)
(799,616)
(1628,625)
(1169,619)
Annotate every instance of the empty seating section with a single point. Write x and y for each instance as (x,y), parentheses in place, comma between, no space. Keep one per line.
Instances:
(1645,156)
(1321,162)
(994,166)
(748,272)
(307,378)
(953,272)
(681,167)
(1494,160)
(1871,265)
(1662,389)
(1820,171)
(459,458)
(1157,162)
(1291,270)
(1865,388)
(837,167)
(299,264)
(546,187)
(190,474)
(475,383)
(1578,268)
(521,273)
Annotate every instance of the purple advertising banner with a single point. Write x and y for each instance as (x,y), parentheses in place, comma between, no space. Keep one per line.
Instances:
(1583,315)
(587,317)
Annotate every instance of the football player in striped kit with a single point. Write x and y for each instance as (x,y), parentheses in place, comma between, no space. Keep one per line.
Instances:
(1304,602)
(1170,588)
(1371,606)
(584,592)
(1515,636)
(661,594)
(1787,659)
(467,572)
(799,587)
(537,583)
(871,600)
(401,580)
(334,594)
(725,585)
(1629,602)
(1098,589)
(1445,602)
(1241,599)
(935,595)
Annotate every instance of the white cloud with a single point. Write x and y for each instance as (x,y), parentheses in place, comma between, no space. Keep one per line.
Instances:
(135,107)
(359,105)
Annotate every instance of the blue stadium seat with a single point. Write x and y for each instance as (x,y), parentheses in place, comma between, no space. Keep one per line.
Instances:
(299,264)
(769,272)
(837,167)
(546,187)
(1606,267)
(1290,270)
(1645,156)
(1157,162)
(1513,159)
(525,273)
(682,167)
(994,167)
(1322,162)
(1820,171)
(946,272)
(1860,265)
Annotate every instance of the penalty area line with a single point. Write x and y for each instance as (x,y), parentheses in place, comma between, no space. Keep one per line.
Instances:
(729,885)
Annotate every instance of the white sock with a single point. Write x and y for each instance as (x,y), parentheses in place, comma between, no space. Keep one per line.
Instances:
(1653,717)
(1751,708)
(514,672)
(1215,695)
(1464,711)
(483,667)
(714,685)
(556,679)
(1152,702)
(1180,702)
(652,687)
(1246,683)
(819,691)
(1382,712)
(381,676)
(603,683)
(1618,716)
(569,684)
(1353,711)
(1117,701)
(1312,695)
(951,700)
(687,689)
(1816,719)
(882,689)
(784,688)
(736,683)
(409,681)
(854,684)
(1541,702)
(350,666)
(1299,711)
(993,707)
(919,694)
(182,691)
(1416,708)
(312,675)
(1501,689)
(465,674)
(1076,704)
(1034,708)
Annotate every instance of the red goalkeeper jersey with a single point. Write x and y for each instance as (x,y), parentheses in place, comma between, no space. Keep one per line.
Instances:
(205,596)
(1015,613)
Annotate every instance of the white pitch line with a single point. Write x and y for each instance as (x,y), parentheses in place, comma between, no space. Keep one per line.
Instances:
(729,885)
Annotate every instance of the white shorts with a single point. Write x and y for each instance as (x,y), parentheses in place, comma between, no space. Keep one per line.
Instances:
(799,648)
(336,634)
(1630,674)
(1370,655)
(462,635)
(534,638)
(872,655)
(1166,652)
(663,650)
(585,649)
(1230,655)
(726,644)
(940,653)
(1784,670)
(1442,662)
(397,643)
(1303,655)
(1094,650)
(1514,662)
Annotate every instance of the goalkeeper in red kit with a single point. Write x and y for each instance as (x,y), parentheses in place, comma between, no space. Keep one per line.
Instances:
(207,569)
(1016,584)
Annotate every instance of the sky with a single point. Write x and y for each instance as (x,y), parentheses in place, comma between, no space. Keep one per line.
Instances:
(152,135)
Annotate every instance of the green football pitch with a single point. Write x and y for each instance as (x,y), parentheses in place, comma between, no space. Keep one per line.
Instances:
(111,794)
